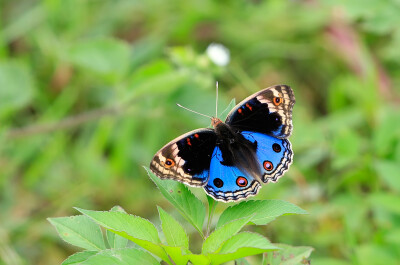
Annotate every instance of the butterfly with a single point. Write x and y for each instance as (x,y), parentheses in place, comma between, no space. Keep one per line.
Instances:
(232,160)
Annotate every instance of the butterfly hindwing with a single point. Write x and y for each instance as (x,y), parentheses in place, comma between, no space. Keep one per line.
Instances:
(268,111)
(187,158)
(274,155)
(228,183)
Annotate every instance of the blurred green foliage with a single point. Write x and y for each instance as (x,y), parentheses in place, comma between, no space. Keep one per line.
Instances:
(88,92)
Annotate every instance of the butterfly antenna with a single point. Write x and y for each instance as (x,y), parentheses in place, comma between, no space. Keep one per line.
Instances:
(216,101)
(179,105)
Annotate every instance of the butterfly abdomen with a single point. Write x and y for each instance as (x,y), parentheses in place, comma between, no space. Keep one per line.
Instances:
(237,151)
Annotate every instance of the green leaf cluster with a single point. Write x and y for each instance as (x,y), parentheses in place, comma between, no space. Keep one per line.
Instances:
(133,240)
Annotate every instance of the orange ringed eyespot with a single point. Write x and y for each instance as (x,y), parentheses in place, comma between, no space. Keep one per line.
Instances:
(268,165)
(241,181)
(277,101)
(169,163)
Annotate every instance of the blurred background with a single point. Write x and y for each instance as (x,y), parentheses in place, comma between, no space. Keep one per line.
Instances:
(88,91)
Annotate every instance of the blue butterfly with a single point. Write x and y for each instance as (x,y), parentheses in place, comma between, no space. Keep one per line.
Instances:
(233,159)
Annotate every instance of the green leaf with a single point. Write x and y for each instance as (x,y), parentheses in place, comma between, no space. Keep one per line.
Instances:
(79,257)
(265,211)
(242,261)
(218,236)
(173,230)
(118,221)
(114,240)
(191,208)
(198,259)
(79,231)
(288,255)
(127,256)
(16,86)
(178,254)
(246,240)
(389,172)
(137,229)
(242,245)
(104,56)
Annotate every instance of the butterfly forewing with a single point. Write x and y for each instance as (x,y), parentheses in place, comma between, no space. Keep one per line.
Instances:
(187,158)
(268,111)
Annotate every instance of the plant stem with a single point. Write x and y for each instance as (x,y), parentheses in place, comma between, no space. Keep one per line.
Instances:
(212,204)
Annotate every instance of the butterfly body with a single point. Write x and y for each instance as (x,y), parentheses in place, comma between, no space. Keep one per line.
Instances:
(236,150)
(231,160)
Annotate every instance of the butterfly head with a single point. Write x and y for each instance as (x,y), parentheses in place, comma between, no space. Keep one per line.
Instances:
(215,122)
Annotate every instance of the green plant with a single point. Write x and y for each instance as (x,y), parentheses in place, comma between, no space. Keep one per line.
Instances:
(131,239)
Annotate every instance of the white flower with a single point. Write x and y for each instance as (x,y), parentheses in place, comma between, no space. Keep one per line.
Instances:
(218,54)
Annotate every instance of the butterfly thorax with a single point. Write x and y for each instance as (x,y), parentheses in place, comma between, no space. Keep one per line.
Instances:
(225,133)
(236,150)
(215,122)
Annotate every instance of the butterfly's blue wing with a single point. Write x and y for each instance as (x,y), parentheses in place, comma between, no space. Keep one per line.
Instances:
(228,183)
(274,155)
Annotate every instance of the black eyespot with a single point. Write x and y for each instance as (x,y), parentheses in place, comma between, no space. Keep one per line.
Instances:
(276,147)
(168,163)
(218,182)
